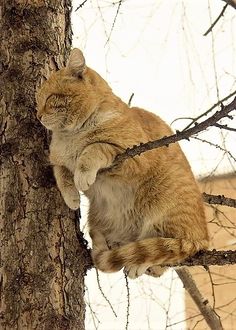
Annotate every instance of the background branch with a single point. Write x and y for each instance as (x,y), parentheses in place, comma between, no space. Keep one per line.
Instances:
(203,305)
(114,21)
(81,5)
(216,20)
(210,109)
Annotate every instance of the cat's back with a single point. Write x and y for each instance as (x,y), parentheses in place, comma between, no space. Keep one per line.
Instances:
(152,125)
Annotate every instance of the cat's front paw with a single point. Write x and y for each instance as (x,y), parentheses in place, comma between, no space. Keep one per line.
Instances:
(84,179)
(71,198)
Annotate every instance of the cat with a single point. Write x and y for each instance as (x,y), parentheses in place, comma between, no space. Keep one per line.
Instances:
(145,212)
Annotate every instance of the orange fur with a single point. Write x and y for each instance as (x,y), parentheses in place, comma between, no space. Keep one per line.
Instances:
(147,211)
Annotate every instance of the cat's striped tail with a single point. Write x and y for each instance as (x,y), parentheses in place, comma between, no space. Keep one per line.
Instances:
(148,252)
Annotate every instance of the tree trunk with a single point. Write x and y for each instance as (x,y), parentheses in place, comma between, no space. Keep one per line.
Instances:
(43,256)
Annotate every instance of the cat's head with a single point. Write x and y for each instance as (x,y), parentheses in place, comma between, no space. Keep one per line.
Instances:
(69,97)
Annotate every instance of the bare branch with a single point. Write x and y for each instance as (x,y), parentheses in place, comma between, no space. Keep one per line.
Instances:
(103,294)
(225,127)
(209,258)
(217,19)
(185,134)
(210,109)
(130,99)
(232,3)
(128,301)
(194,120)
(114,21)
(203,305)
(219,199)
(216,146)
(81,5)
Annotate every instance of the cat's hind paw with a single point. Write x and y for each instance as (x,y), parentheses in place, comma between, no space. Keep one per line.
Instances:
(156,271)
(136,271)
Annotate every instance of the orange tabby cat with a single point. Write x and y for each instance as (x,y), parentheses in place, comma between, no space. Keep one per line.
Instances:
(146,212)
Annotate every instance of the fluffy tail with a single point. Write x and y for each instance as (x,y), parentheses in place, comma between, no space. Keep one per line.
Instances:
(150,251)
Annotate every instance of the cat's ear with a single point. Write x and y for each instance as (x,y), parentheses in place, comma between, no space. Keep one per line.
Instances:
(76,63)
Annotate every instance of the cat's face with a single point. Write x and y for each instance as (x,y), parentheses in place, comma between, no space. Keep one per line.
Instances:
(67,99)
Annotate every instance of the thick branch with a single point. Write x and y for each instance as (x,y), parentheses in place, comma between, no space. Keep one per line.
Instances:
(186,134)
(210,258)
(203,305)
(219,199)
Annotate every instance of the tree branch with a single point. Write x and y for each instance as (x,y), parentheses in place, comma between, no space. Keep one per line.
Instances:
(209,110)
(81,5)
(209,258)
(219,199)
(203,305)
(232,3)
(114,21)
(225,127)
(185,134)
(216,20)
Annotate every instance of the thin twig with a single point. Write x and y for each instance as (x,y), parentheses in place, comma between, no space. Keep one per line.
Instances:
(216,146)
(217,19)
(81,5)
(114,21)
(128,301)
(130,99)
(203,305)
(212,287)
(225,127)
(209,110)
(103,294)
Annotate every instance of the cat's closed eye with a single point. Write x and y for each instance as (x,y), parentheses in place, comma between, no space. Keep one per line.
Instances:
(57,101)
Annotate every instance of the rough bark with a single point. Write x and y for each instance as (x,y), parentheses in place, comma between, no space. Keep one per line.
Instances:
(43,257)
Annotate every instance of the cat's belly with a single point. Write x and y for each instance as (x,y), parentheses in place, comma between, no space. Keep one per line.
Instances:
(113,203)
